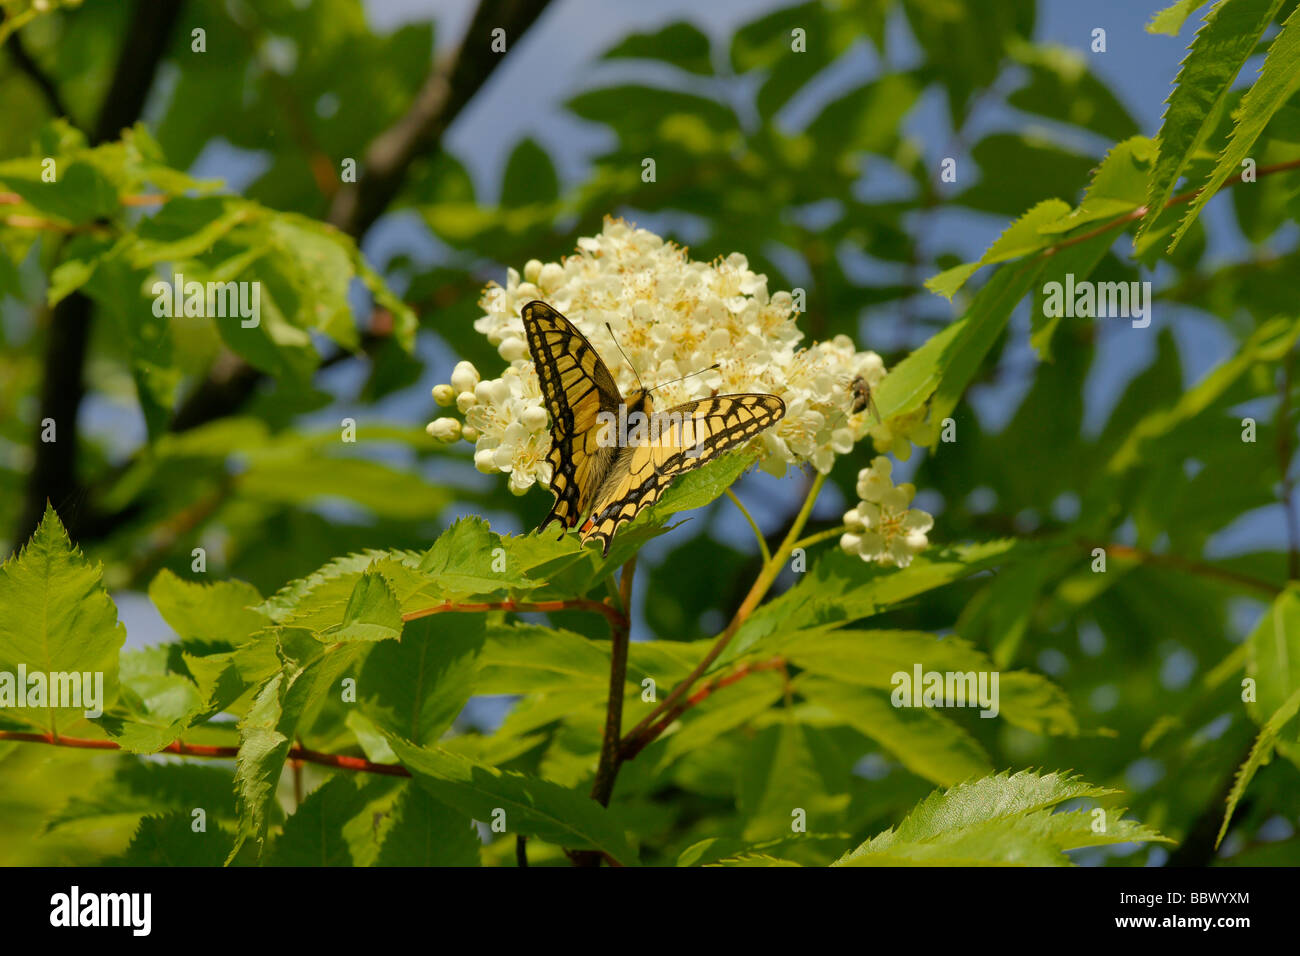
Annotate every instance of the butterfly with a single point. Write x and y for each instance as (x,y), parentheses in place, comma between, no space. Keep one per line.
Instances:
(608,472)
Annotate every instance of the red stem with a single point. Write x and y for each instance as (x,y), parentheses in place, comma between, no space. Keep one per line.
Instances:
(338,761)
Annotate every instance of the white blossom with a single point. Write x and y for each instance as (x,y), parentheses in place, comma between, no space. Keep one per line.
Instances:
(882,528)
(672,315)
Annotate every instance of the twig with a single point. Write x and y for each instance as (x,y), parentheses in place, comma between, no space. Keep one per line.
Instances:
(338,761)
(821,536)
(697,698)
(54,472)
(640,735)
(762,542)
(1184,564)
(23,60)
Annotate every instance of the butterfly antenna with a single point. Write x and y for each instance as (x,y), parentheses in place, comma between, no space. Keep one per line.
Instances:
(625,358)
(692,374)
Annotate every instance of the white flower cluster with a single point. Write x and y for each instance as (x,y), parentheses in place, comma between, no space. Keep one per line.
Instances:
(882,528)
(672,316)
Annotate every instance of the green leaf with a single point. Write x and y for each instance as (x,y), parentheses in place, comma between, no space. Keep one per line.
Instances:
(681,44)
(171,840)
(277,478)
(58,622)
(529,177)
(138,788)
(1268,343)
(428,833)
(999,820)
(463,562)
(1261,752)
(313,835)
(778,777)
(1117,188)
(1021,238)
(941,369)
(876,658)
(267,730)
(532,806)
(842,588)
(1200,93)
(1278,82)
(1273,662)
(417,686)
(724,711)
(925,742)
(1170,20)
(1061,87)
(526,658)
(219,611)
(372,614)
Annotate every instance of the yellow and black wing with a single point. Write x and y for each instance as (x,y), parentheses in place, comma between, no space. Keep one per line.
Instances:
(577,387)
(689,435)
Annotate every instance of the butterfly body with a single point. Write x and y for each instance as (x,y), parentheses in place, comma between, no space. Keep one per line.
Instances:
(612,456)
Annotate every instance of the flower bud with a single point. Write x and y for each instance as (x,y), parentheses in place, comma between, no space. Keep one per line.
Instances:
(444,395)
(464,377)
(444,429)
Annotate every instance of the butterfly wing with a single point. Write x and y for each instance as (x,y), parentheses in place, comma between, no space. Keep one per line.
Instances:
(688,436)
(577,387)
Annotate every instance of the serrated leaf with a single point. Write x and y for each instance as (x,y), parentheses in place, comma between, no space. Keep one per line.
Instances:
(58,620)
(1000,819)
(1261,752)
(428,833)
(372,613)
(532,806)
(1216,56)
(313,834)
(923,740)
(171,840)
(1170,20)
(217,611)
(417,687)
(1022,237)
(1279,79)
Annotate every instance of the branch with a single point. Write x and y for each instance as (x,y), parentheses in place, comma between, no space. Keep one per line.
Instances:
(448,90)
(697,698)
(23,60)
(607,769)
(646,731)
(762,542)
(54,471)
(1174,562)
(1141,211)
(337,761)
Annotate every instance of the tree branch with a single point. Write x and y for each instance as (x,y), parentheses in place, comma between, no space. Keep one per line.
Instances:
(29,67)
(649,728)
(54,471)
(337,761)
(450,87)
